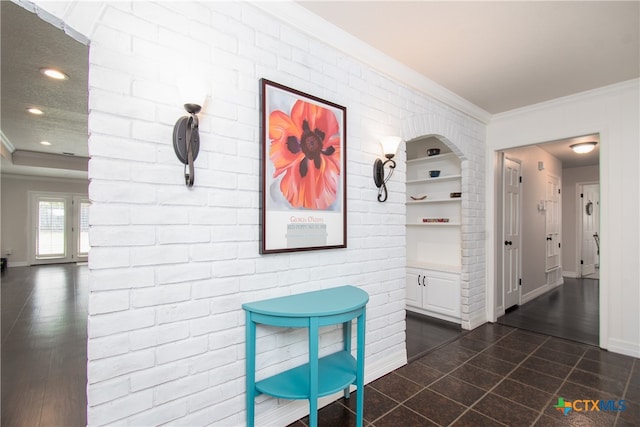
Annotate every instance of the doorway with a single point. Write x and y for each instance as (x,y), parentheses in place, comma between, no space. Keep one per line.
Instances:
(551,240)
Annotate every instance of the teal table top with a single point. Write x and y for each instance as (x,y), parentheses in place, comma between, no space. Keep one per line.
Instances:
(325,302)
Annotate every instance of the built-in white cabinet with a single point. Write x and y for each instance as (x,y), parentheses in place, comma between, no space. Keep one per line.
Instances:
(433,209)
(434,293)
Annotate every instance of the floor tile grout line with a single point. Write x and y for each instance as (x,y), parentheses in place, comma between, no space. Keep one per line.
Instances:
(626,387)
(504,377)
(556,393)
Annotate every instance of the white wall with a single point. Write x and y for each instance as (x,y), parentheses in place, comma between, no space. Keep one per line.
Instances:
(614,113)
(15,206)
(570,179)
(170,267)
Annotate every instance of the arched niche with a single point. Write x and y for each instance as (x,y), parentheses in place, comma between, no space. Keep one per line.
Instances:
(472,263)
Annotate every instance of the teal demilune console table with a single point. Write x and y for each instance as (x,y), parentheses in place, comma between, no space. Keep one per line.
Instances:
(320,376)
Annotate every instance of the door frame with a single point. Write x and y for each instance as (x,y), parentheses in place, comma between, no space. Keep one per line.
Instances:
(492,191)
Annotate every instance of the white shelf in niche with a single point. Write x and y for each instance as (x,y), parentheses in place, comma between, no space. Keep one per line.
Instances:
(432,266)
(431,158)
(428,200)
(433,224)
(431,180)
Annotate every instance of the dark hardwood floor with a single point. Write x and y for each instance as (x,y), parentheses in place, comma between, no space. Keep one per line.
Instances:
(570,311)
(425,334)
(44,345)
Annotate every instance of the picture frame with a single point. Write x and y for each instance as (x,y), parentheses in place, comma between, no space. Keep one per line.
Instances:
(303,162)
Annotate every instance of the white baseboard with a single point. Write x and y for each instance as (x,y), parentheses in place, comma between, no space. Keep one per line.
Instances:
(539,291)
(624,347)
(295,409)
(571,274)
(17,264)
(477,319)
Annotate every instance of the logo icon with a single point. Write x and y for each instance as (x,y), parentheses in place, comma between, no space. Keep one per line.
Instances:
(562,406)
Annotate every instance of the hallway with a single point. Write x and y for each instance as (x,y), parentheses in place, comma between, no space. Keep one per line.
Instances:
(570,311)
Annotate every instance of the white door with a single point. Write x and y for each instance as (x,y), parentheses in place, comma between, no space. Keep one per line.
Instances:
(552,222)
(589,218)
(59,228)
(511,232)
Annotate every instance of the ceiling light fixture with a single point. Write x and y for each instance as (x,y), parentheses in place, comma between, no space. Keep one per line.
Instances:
(54,74)
(35,111)
(47,143)
(583,147)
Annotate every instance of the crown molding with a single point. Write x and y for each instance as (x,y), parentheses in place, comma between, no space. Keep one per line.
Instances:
(628,85)
(6,143)
(307,22)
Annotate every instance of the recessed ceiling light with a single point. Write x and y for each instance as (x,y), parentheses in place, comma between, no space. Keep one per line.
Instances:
(35,111)
(45,143)
(54,74)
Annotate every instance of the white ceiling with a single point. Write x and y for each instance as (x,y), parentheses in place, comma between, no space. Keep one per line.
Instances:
(498,55)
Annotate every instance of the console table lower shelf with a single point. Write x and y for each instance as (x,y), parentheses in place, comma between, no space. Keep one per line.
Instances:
(320,376)
(335,372)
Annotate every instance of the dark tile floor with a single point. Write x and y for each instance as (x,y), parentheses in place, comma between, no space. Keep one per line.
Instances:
(425,334)
(498,375)
(493,375)
(44,345)
(570,311)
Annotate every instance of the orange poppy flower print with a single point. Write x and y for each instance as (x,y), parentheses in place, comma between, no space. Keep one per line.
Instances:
(305,150)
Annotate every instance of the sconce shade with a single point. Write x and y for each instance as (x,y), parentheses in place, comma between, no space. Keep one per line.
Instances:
(390,145)
(583,147)
(192,93)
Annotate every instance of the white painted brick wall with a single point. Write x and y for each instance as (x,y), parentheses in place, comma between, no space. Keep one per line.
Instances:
(171,266)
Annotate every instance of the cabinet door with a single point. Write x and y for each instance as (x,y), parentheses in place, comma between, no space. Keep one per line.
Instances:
(414,290)
(442,293)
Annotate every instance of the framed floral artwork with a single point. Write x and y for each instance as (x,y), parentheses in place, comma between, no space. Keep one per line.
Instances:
(303,203)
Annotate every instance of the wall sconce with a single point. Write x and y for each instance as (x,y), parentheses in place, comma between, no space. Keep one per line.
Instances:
(389,148)
(583,147)
(186,138)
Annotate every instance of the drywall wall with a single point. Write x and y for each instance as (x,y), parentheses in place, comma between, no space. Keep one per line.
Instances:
(15,206)
(614,112)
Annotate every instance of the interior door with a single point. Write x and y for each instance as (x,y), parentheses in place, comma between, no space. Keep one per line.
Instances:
(552,222)
(511,232)
(589,215)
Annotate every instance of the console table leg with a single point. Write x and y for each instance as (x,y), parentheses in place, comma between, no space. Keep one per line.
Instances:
(250,368)
(346,339)
(360,370)
(313,372)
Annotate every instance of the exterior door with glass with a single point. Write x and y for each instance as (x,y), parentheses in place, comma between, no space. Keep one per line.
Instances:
(59,228)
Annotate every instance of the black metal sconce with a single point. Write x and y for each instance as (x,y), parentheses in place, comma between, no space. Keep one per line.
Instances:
(389,147)
(186,141)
